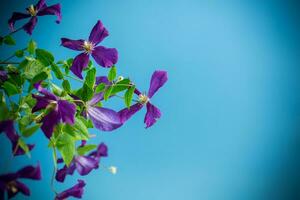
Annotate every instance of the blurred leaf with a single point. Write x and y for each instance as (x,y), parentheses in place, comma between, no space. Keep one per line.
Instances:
(9,40)
(23,146)
(107,92)
(78,130)
(44,57)
(81,150)
(31,47)
(10,88)
(86,93)
(112,73)
(128,96)
(66,146)
(30,130)
(66,86)
(57,71)
(32,68)
(100,88)
(19,53)
(90,78)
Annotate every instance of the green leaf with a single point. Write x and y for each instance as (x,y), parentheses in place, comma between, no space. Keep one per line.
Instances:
(32,68)
(9,40)
(30,130)
(107,92)
(128,96)
(57,71)
(112,73)
(100,88)
(78,130)
(19,53)
(31,47)
(86,93)
(10,88)
(39,77)
(66,85)
(121,86)
(23,146)
(81,150)
(56,89)
(66,146)
(44,57)
(90,78)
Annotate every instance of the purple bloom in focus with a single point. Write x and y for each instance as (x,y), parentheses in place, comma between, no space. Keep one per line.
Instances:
(62,110)
(83,164)
(75,191)
(105,57)
(8,128)
(10,182)
(158,79)
(40,9)
(3,76)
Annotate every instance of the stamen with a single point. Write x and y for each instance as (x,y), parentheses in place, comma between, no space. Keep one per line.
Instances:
(88,47)
(32,11)
(112,169)
(143,98)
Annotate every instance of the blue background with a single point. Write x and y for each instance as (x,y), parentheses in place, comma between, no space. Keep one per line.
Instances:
(230,124)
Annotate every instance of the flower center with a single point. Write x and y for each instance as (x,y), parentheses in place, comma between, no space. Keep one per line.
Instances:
(32,11)
(12,187)
(88,47)
(143,98)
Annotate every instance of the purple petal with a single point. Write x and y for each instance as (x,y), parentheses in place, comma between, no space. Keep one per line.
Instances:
(153,113)
(18,187)
(100,152)
(72,44)
(80,62)
(28,27)
(137,92)
(67,111)
(41,103)
(3,76)
(102,79)
(15,17)
(40,4)
(45,92)
(105,57)
(30,172)
(85,164)
(51,10)
(75,191)
(104,118)
(126,113)
(158,79)
(49,122)
(98,33)
(62,173)
(17,150)
(96,98)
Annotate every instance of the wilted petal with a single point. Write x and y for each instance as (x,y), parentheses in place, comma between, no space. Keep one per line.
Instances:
(67,111)
(51,10)
(16,188)
(41,103)
(62,173)
(98,33)
(126,113)
(85,164)
(28,27)
(15,17)
(80,62)
(104,118)
(72,44)
(158,79)
(106,57)
(75,191)
(153,113)
(30,172)
(40,4)
(49,122)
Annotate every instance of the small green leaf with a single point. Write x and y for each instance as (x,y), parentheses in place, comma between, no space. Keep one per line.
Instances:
(32,68)
(81,150)
(23,146)
(30,130)
(66,146)
(121,86)
(66,85)
(31,47)
(86,93)
(39,77)
(90,78)
(57,71)
(112,73)
(44,57)
(19,53)
(128,96)
(9,40)
(107,92)
(100,88)
(10,88)
(56,89)
(78,130)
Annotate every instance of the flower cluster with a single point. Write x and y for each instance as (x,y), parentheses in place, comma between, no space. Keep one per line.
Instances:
(31,100)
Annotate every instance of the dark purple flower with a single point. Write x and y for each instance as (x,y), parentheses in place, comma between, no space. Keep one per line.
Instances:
(60,110)
(8,128)
(105,57)
(10,182)
(75,191)
(83,164)
(3,76)
(158,79)
(40,9)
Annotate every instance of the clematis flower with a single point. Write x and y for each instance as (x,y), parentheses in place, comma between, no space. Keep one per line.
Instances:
(105,57)
(158,79)
(75,191)
(3,76)
(83,164)
(8,128)
(40,9)
(10,182)
(60,110)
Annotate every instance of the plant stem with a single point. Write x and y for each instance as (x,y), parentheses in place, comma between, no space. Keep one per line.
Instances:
(77,79)
(54,171)
(14,31)
(12,56)
(6,63)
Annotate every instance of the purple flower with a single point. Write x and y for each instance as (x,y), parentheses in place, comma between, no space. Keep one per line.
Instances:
(40,9)
(83,164)
(75,191)
(8,128)
(158,79)
(60,110)
(3,76)
(105,57)
(10,182)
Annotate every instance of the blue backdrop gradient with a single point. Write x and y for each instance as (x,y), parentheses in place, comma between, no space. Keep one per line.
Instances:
(230,124)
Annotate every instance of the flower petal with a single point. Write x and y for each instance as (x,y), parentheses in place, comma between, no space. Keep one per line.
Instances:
(28,27)
(158,79)
(96,98)
(45,92)
(63,172)
(100,152)
(49,122)
(30,172)
(67,111)
(40,4)
(102,79)
(85,164)
(105,57)
(153,113)
(51,10)
(75,191)
(104,119)
(15,17)
(41,102)
(80,62)
(98,33)
(72,44)
(126,113)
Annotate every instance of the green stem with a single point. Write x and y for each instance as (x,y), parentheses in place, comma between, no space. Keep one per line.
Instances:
(72,77)
(12,56)
(7,63)
(54,171)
